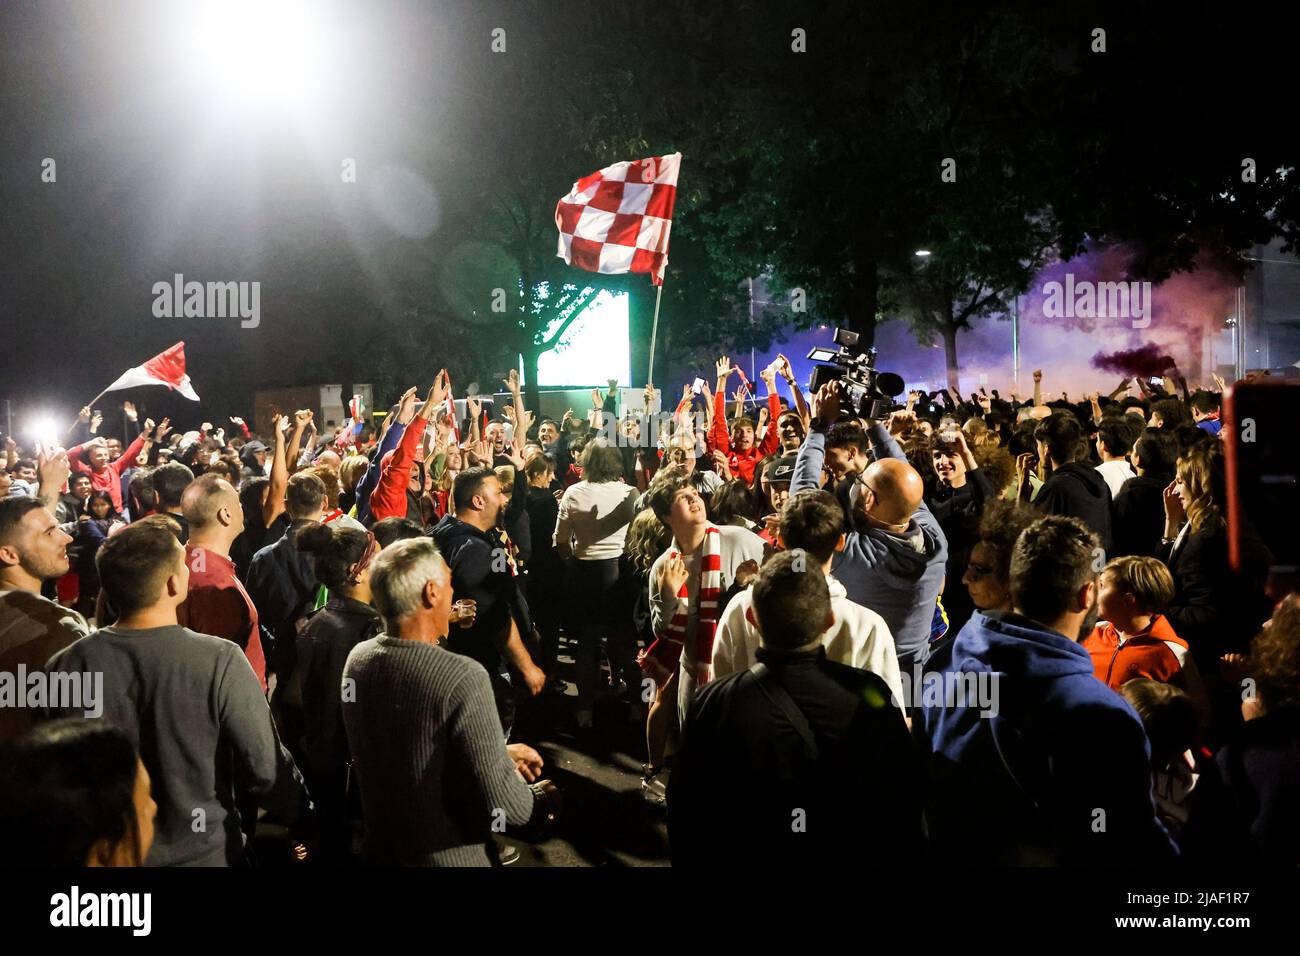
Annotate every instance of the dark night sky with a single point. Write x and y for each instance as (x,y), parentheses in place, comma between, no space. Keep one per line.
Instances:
(155,178)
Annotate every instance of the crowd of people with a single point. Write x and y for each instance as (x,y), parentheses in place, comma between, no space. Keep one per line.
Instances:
(984,628)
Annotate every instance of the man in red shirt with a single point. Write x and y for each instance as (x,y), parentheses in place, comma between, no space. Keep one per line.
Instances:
(92,458)
(217,603)
(738,445)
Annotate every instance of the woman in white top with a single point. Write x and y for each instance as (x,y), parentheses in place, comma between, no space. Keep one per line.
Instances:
(590,529)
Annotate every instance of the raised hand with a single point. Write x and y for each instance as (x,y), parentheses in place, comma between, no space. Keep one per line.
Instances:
(1038,375)
(131,413)
(437,396)
(278,422)
(207,426)
(900,421)
(406,406)
(825,406)
(95,421)
(236,420)
(165,426)
(148,427)
(597,400)
(782,366)
(673,575)
(768,375)
(511,381)
(84,414)
(1025,465)
(724,370)
(302,418)
(1174,511)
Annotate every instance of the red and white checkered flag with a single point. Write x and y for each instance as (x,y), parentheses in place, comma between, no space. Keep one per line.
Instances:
(617,220)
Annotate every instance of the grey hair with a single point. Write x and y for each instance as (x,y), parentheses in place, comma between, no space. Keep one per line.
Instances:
(398,577)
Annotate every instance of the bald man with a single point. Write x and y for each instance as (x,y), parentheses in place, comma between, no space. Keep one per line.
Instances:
(894,552)
(217,602)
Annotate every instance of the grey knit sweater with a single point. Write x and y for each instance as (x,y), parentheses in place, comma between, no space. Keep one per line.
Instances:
(428,754)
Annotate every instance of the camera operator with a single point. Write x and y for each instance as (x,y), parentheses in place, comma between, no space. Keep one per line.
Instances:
(894,552)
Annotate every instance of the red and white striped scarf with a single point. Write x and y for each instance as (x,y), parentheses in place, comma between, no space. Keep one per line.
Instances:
(710,593)
(661,658)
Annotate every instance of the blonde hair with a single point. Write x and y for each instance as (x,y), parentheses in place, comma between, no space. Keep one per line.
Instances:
(647,538)
(1147,579)
(1201,472)
(351,469)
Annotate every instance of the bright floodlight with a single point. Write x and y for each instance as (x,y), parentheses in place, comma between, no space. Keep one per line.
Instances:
(922,252)
(44,431)
(257,50)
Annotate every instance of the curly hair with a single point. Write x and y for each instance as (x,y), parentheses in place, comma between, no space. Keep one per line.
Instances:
(647,538)
(1275,657)
(996,462)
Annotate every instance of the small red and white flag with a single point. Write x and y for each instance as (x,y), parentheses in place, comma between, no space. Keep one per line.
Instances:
(617,220)
(165,368)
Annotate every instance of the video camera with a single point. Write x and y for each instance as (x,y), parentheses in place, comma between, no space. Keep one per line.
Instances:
(870,393)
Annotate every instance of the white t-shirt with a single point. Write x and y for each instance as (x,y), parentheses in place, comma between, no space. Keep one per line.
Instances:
(859,637)
(1116,473)
(593,519)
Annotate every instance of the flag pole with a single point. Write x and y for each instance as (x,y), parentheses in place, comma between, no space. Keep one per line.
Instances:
(654,331)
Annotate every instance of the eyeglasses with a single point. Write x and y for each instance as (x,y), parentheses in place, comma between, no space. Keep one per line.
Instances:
(866,484)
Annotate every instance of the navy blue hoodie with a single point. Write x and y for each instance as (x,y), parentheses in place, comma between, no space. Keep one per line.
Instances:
(1058,769)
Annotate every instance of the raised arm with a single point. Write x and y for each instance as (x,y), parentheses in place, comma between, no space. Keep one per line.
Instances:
(772,437)
(274,501)
(719,436)
(800,403)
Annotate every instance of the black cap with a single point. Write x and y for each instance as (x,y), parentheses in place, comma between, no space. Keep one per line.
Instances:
(780,469)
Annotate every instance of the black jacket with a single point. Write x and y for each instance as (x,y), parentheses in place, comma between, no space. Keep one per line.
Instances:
(1078,490)
(282,583)
(324,642)
(1140,515)
(1215,609)
(480,572)
(958,512)
(746,788)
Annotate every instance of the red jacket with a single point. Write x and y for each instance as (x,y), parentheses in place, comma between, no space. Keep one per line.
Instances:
(388,500)
(110,479)
(742,463)
(1157,653)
